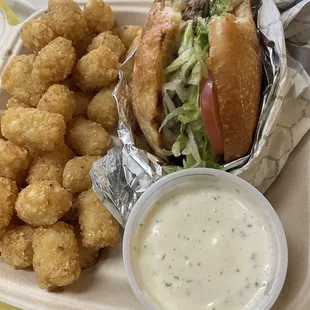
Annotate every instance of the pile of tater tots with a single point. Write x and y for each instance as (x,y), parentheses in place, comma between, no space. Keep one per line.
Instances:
(58,122)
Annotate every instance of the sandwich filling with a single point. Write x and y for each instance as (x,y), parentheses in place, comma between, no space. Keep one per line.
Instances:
(192,119)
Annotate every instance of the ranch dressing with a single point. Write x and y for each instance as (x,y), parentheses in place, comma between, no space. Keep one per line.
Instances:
(204,247)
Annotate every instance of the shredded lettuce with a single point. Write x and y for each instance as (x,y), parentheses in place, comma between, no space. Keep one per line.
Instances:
(179,145)
(185,70)
(182,92)
(180,61)
(188,38)
(192,145)
(219,7)
(202,38)
(195,76)
(174,113)
(181,97)
(169,169)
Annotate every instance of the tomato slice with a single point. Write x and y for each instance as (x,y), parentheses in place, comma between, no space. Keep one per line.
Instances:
(211,115)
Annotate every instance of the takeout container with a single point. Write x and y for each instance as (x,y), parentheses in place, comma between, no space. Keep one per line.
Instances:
(105,286)
(147,200)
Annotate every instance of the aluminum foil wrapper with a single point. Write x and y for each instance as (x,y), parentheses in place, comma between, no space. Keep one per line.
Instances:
(121,177)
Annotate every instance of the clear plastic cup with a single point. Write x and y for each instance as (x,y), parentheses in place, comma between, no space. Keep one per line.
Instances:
(146,201)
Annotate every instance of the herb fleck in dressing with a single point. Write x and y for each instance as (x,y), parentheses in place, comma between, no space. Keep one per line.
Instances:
(202,247)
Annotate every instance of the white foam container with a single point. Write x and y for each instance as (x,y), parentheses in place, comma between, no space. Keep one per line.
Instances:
(105,285)
(149,197)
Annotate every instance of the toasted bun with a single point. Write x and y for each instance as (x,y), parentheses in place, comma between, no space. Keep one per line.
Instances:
(152,56)
(235,64)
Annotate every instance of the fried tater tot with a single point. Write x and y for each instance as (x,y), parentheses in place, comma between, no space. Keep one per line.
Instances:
(67,20)
(128,34)
(17,103)
(36,34)
(71,217)
(42,203)
(98,226)
(102,109)
(87,256)
(61,150)
(14,160)
(18,81)
(49,166)
(110,40)
(16,247)
(14,222)
(76,173)
(45,168)
(87,138)
(99,16)
(96,69)
(82,102)
(2,112)
(8,196)
(54,62)
(68,82)
(81,46)
(38,129)
(56,258)
(58,99)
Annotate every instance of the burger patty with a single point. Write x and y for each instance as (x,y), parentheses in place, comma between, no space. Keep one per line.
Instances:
(195,9)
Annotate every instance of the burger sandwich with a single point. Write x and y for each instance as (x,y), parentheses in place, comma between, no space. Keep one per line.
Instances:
(197,80)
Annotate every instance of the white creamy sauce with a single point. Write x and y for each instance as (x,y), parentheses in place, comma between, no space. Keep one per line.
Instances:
(204,247)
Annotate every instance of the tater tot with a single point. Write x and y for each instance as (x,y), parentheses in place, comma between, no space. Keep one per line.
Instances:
(67,20)
(2,232)
(102,109)
(16,247)
(17,103)
(87,256)
(14,222)
(42,203)
(38,129)
(110,40)
(99,16)
(87,138)
(56,258)
(98,226)
(36,34)
(8,195)
(14,160)
(76,173)
(18,81)
(49,166)
(61,150)
(71,217)
(55,61)
(128,34)
(81,46)
(58,99)
(1,115)
(96,69)
(82,102)
(45,168)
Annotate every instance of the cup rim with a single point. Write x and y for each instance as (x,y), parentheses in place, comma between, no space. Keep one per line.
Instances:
(267,303)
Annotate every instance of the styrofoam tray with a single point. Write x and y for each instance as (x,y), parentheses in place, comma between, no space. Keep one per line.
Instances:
(105,286)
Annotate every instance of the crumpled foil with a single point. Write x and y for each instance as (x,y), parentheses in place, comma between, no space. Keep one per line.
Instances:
(121,177)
